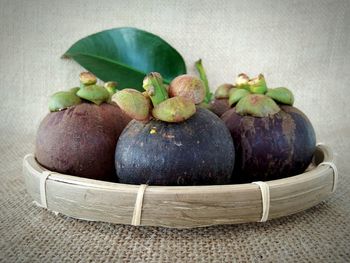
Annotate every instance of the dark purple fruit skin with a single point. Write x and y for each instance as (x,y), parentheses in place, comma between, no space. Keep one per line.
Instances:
(219,106)
(81,140)
(198,151)
(272,147)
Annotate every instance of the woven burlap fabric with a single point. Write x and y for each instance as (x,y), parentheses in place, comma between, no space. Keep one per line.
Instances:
(300,44)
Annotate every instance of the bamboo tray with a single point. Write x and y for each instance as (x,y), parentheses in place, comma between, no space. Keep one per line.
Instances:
(180,206)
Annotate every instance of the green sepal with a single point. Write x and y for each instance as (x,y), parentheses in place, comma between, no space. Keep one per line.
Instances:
(257,105)
(222,92)
(74,90)
(133,103)
(62,100)
(281,95)
(94,93)
(175,109)
(237,94)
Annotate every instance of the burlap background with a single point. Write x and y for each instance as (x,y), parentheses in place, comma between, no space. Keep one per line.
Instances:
(300,44)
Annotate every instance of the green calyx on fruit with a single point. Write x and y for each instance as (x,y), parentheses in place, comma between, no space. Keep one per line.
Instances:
(257,105)
(175,109)
(94,93)
(189,87)
(203,77)
(153,85)
(88,90)
(133,103)
(281,95)
(231,91)
(242,81)
(74,90)
(139,105)
(87,78)
(62,100)
(236,95)
(265,101)
(222,92)
(111,87)
(257,85)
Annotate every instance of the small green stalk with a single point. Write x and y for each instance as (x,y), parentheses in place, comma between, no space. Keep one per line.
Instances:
(258,85)
(203,77)
(242,81)
(153,84)
(111,87)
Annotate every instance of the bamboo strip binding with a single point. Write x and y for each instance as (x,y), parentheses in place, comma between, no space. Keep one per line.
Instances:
(181,206)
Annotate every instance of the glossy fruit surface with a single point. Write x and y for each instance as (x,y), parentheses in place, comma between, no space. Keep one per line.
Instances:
(197,151)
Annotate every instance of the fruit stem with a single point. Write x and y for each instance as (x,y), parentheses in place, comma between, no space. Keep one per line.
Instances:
(203,77)
(111,87)
(153,84)
(258,85)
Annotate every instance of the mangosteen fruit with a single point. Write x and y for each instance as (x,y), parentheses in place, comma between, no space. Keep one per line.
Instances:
(197,151)
(272,138)
(178,144)
(79,135)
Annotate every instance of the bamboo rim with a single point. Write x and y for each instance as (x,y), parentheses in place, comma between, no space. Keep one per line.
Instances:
(180,206)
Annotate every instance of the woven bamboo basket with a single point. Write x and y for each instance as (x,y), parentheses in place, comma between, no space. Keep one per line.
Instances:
(181,206)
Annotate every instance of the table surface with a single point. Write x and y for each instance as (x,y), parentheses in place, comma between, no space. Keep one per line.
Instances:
(303,45)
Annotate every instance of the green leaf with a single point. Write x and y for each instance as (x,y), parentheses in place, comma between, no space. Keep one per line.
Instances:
(126,55)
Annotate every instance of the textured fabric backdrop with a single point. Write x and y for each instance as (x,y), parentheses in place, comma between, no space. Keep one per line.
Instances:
(303,45)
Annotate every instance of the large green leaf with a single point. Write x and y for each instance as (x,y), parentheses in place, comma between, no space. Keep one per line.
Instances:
(126,55)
